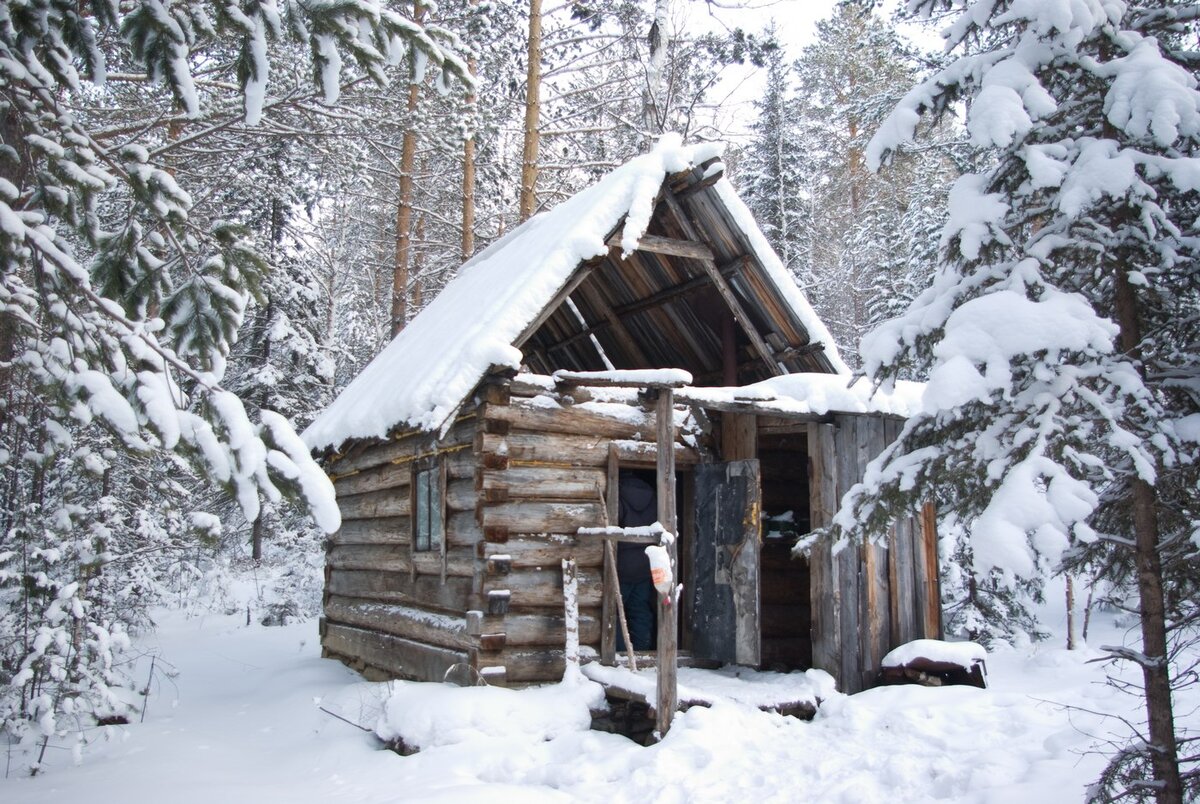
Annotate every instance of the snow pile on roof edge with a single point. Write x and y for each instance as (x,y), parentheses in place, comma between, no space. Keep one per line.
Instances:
(818,394)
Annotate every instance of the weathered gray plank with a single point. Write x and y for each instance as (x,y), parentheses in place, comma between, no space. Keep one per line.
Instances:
(545,483)
(824,591)
(395,656)
(385,530)
(455,595)
(542,588)
(534,550)
(411,622)
(542,517)
(849,562)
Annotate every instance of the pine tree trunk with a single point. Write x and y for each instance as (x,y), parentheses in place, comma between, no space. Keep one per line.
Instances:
(1155,668)
(256,537)
(408,152)
(468,179)
(418,267)
(533,103)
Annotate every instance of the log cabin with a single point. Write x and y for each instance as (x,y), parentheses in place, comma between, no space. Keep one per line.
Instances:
(644,317)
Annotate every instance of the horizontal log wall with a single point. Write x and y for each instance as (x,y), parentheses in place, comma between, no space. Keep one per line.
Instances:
(523,474)
(543,477)
(390,611)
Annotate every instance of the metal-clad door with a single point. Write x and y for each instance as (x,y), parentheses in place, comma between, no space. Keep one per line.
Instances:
(725,567)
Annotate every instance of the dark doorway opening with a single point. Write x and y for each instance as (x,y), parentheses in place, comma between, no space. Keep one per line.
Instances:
(786,613)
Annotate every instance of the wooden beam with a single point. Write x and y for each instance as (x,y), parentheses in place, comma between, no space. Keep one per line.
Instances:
(703,184)
(724,288)
(616,534)
(668,693)
(599,326)
(570,619)
(582,272)
(683,177)
(670,246)
(667,294)
(605,379)
(790,353)
(642,272)
(620,332)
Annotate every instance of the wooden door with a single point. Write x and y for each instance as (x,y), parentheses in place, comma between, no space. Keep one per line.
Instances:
(725,563)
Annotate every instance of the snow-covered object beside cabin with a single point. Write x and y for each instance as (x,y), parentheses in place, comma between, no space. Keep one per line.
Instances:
(741,685)
(961,654)
(429,368)
(428,715)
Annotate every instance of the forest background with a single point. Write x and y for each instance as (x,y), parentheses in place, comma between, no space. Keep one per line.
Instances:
(215,214)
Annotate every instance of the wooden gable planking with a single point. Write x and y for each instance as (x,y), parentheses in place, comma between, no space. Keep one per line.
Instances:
(728,244)
(653,307)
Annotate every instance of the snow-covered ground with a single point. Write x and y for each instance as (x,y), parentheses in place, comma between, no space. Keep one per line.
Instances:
(243,721)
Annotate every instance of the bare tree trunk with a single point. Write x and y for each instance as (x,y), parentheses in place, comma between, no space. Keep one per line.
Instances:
(1156,671)
(533,105)
(256,538)
(653,114)
(1087,609)
(408,152)
(468,180)
(418,266)
(1072,642)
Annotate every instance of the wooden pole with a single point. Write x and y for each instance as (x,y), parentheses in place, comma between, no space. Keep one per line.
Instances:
(571,619)
(611,594)
(668,698)
(612,607)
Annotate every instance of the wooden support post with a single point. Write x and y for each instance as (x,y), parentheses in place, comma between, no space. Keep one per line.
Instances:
(667,699)
(571,620)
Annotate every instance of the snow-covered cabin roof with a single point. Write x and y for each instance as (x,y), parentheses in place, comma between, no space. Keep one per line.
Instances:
(633,272)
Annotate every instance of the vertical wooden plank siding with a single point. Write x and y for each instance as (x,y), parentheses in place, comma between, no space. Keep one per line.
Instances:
(823,570)
(932,575)
(667,699)
(903,574)
(848,560)
(877,603)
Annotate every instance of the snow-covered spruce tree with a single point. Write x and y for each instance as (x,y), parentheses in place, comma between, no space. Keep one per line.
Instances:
(771,171)
(859,249)
(986,607)
(1058,338)
(120,299)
